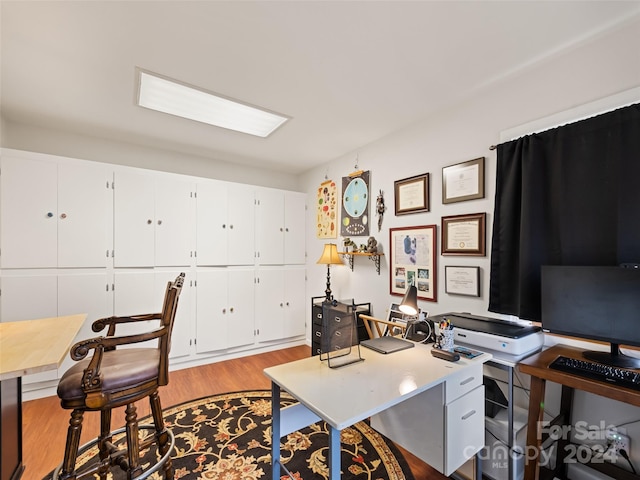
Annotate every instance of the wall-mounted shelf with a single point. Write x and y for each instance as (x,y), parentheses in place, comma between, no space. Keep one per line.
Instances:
(375,257)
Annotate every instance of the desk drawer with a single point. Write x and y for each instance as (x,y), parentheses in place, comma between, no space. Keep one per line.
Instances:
(464,432)
(462,383)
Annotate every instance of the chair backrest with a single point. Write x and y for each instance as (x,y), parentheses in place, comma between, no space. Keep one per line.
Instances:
(169,309)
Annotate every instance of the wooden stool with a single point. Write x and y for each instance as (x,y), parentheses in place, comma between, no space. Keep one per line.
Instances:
(113,378)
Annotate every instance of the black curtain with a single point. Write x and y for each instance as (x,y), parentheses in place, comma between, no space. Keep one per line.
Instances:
(566,196)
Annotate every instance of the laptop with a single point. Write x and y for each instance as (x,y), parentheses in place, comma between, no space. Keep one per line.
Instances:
(387,344)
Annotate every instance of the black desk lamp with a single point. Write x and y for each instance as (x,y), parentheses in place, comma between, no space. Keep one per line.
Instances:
(409,304)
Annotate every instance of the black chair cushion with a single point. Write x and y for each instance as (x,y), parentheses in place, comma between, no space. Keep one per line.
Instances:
(120,369)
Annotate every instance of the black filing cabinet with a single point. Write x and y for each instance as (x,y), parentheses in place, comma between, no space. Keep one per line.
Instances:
(316,322)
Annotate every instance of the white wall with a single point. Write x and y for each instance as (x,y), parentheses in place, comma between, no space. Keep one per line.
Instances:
(603,68)
(54,142)
(595,70)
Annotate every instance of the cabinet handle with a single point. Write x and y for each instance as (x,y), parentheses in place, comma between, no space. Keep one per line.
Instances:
(159,222)
(224,310)
(49,214)
(149,222)
(224,225)
(286,229)
(63,215)
(231,226)
(287,304)
(281,229)
(231,310)
(464,382)
(281,305)
(470,414)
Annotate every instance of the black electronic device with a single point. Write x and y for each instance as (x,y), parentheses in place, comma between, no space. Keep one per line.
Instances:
(445,354)
(605,373)
(420,331)
(595,303)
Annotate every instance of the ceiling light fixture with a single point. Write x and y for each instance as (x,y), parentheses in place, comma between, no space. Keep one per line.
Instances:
(168,96)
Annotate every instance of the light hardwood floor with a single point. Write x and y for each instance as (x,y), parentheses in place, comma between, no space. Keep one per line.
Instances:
(45,422)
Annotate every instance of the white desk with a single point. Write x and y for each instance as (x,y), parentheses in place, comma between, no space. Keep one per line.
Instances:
(386,387)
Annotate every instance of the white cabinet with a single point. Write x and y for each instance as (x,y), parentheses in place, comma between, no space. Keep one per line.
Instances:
(225,224)
(452,414)
(28,295)
(153,220)
(280,297)
(281,227)
(225,308)
(54,214)
(139,292)
(88,293)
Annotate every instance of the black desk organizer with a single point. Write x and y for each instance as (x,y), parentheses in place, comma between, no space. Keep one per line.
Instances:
(339,345)
(316,321)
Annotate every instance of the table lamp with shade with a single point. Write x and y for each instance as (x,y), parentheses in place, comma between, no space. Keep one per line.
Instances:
(330,256)
(409,304)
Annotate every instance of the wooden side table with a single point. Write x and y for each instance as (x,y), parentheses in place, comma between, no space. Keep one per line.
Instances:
(537,366)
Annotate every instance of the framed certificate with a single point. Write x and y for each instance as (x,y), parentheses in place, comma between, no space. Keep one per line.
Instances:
(413,261)
(412,194)
(462,280)
(463,181)
(464,234)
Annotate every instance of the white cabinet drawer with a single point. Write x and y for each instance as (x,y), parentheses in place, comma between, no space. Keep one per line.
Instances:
(463,382)
(464,430)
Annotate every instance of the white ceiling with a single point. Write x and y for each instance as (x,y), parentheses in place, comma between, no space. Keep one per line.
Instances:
(347,72)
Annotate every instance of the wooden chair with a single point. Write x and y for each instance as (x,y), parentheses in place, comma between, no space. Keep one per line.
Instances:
(114,377)
(383,327)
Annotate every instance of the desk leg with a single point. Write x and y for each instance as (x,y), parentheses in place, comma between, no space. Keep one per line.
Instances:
(334,453)
(534,440)
(275,431)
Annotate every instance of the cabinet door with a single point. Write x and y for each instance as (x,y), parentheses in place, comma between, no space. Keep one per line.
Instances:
(270,299)
(241,225)
(135,294)
(28,297)
(294,295)
(271,227)
(182,333)
(294,228)
(212,314)
(212,223)
(84,293)
(241,307)
(174,216)
(134,214)
(28,224)
(84,215)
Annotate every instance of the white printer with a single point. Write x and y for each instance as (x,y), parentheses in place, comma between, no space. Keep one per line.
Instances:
(512,338)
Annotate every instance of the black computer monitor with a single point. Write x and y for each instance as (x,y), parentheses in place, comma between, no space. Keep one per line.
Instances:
(594,303)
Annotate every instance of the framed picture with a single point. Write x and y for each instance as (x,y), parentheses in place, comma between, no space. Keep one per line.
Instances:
(413,260)
(412,194)
(462,280)
(464,234)
(463,181)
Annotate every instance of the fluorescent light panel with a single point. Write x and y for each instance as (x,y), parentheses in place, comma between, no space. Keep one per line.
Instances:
(169,96)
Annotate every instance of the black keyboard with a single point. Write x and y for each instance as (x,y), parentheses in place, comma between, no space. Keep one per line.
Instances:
(622,377)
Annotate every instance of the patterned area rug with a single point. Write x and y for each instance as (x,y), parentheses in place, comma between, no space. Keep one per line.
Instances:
(228,437)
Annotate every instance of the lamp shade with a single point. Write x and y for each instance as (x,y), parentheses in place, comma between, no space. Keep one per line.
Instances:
(409,304)
(330,255)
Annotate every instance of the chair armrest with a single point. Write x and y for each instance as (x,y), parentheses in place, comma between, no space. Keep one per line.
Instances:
(377,322)
(91,379)
(101,323)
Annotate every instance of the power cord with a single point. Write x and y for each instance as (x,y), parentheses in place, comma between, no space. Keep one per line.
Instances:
(623,453)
